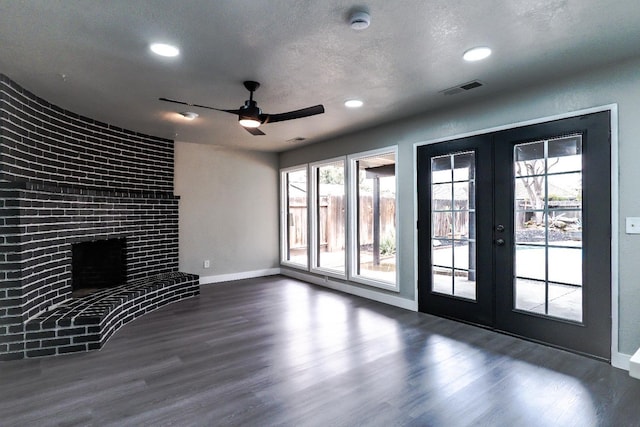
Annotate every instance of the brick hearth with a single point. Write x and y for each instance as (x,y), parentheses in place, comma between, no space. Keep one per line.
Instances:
(86,323)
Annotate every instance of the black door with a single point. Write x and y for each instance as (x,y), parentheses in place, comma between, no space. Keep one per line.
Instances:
(455,205)
(524,236)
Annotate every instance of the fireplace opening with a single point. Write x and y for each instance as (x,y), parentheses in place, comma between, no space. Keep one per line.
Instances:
(97,265)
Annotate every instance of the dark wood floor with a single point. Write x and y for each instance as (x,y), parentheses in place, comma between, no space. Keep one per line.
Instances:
(276,351)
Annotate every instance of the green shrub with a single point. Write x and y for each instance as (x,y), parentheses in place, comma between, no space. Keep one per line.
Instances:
(388,244)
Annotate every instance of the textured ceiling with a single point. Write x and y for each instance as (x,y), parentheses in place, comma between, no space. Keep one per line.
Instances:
(303,52)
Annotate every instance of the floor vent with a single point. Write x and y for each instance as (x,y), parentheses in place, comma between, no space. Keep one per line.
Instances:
(462,88)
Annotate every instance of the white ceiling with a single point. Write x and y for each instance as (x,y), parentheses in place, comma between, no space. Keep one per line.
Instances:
(303,52)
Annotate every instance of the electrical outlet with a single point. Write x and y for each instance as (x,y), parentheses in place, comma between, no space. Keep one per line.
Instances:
(206,263)
(633,225)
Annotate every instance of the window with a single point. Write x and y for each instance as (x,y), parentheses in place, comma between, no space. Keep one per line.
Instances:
(329,207)
(294,217)
(351,205)
(373,218)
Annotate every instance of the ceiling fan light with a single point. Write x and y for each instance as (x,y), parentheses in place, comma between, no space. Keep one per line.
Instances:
(189,115)
(249,122)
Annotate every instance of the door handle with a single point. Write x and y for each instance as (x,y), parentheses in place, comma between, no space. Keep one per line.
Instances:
(500,228)
(500,242)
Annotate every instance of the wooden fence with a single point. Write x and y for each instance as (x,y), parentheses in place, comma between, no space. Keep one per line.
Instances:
(332,221)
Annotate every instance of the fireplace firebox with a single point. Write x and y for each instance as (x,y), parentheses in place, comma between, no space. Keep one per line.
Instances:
(97,265)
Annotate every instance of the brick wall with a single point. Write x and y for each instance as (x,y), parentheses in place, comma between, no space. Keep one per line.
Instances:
(42,143)
(65,179)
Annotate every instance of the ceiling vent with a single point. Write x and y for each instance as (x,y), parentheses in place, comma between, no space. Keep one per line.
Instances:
(462,88)
(296,139)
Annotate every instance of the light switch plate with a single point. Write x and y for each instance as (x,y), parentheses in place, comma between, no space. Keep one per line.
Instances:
(633,225)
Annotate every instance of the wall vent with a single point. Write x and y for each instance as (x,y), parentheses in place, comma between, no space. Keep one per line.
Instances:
(462,88)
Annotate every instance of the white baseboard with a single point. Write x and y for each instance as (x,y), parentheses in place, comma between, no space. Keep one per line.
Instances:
(353,290)
(634,365)
(207,280)
(620,360)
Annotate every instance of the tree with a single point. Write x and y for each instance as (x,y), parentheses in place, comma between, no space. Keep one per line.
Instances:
(533,181)
(332,175)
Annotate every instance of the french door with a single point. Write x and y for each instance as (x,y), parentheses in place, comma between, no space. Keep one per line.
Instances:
(514,232)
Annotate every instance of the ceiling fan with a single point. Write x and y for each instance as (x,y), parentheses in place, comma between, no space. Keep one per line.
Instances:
(250,116)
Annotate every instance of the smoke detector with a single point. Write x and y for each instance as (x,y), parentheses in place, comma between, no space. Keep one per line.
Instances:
(359,20)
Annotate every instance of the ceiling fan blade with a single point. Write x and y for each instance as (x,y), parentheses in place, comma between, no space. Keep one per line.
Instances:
(297,114)
(236,112)
(254,131)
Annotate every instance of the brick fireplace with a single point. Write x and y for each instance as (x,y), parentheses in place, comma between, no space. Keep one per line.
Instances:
(97,264)
(64,180)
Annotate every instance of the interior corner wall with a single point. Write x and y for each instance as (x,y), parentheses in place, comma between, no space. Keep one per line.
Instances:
(615,84)
(229,210)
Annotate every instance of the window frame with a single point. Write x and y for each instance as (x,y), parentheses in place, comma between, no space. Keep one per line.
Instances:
(284,223)
(313,240)
(352,224)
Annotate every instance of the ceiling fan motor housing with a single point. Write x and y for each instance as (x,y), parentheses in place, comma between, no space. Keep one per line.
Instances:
(250,111)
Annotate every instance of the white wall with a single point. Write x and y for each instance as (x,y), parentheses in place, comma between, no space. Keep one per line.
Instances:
(228,210)
(615,84)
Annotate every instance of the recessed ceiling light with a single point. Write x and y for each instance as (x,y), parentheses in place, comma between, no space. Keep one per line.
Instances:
(189,115)
(353,103)
(163,49)
(477,53)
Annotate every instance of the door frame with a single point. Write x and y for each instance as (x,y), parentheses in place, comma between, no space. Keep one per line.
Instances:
(618,359)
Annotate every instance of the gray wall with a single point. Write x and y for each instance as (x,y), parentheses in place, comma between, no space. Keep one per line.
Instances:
(228,209)
(615,84)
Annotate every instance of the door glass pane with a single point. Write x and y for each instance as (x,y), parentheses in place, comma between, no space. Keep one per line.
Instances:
(548,227)
(529,159)
(464,167)
(530,202)
(442,255)
(526,230)
(530,295)
(461,195)
(463,285)
(441,197)
(440,169)
(565,266)
(565,302)
(565,155)
(453,225)
(565,190)
(442,280)
(530,262)
(376,222)
(461,225)
(330,217)
(442,226)
(296,251)
(565,227)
